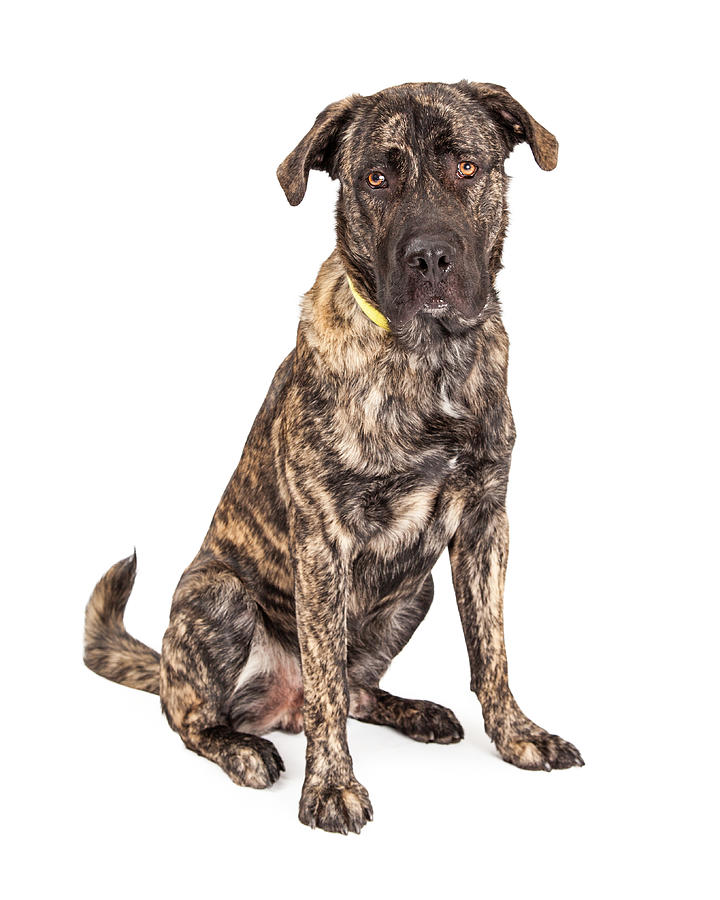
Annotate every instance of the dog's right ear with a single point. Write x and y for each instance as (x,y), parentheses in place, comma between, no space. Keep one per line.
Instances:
(317,150)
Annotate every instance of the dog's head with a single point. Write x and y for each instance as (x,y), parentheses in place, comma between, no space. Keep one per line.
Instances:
(421,212)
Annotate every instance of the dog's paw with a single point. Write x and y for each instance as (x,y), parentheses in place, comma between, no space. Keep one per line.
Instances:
(337,808)
(539,750)
(255,763)
(431,723)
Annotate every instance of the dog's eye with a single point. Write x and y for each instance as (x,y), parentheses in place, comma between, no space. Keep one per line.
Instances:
(466,169)
(377,180)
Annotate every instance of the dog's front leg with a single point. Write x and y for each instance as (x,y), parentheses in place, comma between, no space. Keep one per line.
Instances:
(332,798)
(478,556)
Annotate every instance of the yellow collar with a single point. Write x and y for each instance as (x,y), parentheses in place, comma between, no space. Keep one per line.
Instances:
(372,312)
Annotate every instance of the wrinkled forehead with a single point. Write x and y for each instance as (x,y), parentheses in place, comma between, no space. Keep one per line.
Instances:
(427,119)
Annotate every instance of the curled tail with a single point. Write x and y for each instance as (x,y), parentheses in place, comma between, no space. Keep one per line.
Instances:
(109,650)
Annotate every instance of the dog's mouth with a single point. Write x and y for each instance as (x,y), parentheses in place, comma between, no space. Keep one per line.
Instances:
(423,302)
(435,306)
(452,301)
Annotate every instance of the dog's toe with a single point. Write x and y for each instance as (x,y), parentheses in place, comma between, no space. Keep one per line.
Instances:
(432,723)
(256,765)
(335,808)
(540,750)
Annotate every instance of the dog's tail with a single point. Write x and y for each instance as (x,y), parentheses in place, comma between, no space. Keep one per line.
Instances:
(109,650)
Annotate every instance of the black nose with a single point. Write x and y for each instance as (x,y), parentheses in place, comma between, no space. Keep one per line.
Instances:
(431,256)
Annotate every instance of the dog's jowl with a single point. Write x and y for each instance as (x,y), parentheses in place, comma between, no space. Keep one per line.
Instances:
(385,437)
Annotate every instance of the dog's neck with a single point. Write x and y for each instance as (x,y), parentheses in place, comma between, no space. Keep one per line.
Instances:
(425,399)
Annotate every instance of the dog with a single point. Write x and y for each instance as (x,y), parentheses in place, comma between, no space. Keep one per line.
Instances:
(385,437)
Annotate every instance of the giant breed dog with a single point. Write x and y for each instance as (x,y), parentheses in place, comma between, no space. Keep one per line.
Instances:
(385,437)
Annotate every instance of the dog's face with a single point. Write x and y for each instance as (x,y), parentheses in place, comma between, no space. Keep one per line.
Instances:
(421,211)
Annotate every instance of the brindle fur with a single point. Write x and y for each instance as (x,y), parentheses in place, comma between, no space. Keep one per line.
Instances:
(371,453)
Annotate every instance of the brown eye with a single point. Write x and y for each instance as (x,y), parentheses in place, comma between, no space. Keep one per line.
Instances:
(377,180)
(466,169)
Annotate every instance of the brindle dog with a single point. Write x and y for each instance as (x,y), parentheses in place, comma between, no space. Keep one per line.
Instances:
(385,437)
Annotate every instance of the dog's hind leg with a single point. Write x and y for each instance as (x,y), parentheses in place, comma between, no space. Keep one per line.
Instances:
(375,644)
(208,643)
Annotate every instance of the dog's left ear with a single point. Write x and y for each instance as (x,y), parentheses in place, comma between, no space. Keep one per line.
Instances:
(317,150)
(516,122)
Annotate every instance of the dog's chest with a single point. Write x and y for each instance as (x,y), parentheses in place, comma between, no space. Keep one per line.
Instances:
(402,459)
(401,525)
(388,510)
(402,433)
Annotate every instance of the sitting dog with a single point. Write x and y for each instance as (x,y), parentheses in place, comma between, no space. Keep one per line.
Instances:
(385,437)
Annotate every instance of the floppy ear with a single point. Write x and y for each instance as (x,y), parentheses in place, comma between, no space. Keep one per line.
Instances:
(516,122)
(317,150)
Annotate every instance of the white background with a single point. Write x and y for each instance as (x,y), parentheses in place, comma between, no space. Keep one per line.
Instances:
(150,276)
